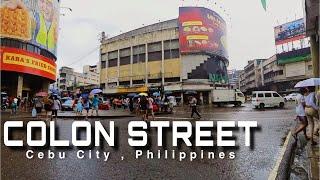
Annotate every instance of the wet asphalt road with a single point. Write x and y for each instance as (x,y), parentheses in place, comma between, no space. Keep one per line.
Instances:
(250,163)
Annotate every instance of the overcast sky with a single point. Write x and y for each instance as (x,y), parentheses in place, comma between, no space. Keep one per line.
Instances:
(250,28)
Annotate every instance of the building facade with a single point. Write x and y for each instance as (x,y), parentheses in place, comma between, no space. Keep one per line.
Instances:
(69,80)
(250,78)
(233,76)
(151,58)
(279,73)
(28,47)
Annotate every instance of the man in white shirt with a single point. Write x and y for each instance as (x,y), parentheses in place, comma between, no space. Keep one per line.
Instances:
(311,110)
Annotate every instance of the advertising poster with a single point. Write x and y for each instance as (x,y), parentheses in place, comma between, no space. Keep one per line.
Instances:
(290,31)
(201,30)
(35,22)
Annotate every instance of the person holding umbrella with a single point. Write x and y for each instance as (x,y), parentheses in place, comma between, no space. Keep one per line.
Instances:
(311,110)
(95,104)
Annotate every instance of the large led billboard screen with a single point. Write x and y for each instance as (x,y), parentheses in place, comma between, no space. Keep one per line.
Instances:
(35,22)
(202,30)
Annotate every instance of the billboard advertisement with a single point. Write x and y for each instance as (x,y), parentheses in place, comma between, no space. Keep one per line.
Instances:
(290,31)
(202,30)
(18,60)
(35,22)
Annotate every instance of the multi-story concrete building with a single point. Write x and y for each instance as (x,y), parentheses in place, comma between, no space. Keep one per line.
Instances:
(279,73)
(71,80)
(251,78)
(151,57)
(233,76)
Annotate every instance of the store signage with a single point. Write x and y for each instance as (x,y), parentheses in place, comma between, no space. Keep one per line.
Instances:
(25,62)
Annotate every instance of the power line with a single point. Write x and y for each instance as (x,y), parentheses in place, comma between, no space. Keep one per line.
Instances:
(84,56)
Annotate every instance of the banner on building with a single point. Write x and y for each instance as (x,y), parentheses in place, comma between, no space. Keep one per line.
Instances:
(290,31)
(18,60)
(202,30)
(35,22)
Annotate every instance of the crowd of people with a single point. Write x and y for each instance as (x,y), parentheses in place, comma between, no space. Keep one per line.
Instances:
(307,112)
(141,105)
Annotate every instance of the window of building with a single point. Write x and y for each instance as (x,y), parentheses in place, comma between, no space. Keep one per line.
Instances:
(172,53)
(103,64)
(124,60)
(173,79)
(138,58)
(104,56)
(138,81)
(112,62)
(155,56)
(154,80)
(124,83)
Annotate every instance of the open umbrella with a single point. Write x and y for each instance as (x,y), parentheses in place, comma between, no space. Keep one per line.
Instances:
(156,94)
(143,94)
(130,95)
(41,94)
(308,82)
(190,92)
(136,96)
(96,91)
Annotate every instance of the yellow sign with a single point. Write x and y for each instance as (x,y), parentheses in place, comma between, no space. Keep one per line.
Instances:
(132,89)
(28,61)
(192,23)
(203,37)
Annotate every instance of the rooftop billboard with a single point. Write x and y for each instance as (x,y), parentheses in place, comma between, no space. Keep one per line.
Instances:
(202,30)
(290,31)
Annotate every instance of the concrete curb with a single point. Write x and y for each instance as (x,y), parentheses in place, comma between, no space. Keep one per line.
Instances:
(282,168)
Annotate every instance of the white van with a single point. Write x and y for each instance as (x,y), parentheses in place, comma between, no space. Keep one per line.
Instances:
(261,99)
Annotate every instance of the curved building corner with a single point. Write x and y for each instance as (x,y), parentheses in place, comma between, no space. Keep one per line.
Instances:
(29,34)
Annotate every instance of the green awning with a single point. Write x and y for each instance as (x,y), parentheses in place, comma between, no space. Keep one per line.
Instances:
(287,60)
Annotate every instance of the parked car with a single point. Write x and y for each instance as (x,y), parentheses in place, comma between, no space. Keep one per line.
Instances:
(67,105)
(262,99)
(290,97)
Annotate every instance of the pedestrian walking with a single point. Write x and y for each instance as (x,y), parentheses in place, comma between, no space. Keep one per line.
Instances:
(79,108)
(311,110)
(56,105)
(47,101)
(18,102)
(150,107)
(193,105)
(301,115)
(38,105)
(14,106)
(95,105)
(144,107)
(86,104)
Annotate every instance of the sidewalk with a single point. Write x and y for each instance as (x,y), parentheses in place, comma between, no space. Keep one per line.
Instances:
(71,114)
(314,161)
